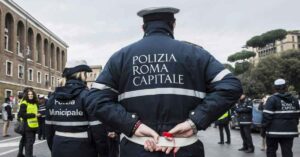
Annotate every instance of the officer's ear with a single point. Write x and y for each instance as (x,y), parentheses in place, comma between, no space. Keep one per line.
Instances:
(144,27)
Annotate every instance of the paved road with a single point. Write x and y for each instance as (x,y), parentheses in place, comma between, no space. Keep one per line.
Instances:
(210,138)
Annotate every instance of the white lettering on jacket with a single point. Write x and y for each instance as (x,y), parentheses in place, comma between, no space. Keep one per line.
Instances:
(65,112)
(71,102)
(152,69)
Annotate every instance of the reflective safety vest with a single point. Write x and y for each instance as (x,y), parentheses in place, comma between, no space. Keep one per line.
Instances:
(224,116)
(31,108)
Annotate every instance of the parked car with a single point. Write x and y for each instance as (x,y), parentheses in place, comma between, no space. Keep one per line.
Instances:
(256,117)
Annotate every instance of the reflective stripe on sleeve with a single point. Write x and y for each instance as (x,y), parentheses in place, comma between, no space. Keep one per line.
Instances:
(282,133)
(96,122)
(161,91)
(221,75)
(83,123)
(102,87)
(278,112)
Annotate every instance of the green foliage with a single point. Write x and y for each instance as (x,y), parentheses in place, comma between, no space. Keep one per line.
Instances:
(241,67)
(243,55)
(229,67)
(259,80)
(267,38)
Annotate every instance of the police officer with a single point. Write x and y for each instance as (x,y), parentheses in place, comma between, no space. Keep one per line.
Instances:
(280,118)
(70,130)
(244,113)
(159,86)
(223,123)
(41,118)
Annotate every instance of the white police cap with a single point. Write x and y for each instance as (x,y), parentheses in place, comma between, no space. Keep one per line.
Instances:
(75,66)
(152,10)
(279,82)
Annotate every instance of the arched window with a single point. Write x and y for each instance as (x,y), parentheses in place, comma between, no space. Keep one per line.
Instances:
(8,32)
(38,48)
(58,65)
(20,38)
(30,39)
(46,53)
(52,56)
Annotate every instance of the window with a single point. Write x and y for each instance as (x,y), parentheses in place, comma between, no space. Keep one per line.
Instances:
(57,81)
(293,38)
(19,49)
(20,71)
(8,93)
(294,46)
(6,39)
(30,74)
(46,80)
(52,81)
(9,68)
(39,77)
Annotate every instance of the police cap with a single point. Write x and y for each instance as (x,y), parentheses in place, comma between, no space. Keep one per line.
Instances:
(75,66)
(158,13)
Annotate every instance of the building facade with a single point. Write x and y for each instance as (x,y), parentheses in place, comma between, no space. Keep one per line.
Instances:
(30,54)
(290,42)
(92,76)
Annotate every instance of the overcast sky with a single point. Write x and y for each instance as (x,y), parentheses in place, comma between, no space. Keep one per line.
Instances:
(95,29)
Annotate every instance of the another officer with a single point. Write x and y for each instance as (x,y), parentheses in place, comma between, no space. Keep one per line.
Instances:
(280,118)
(223,123)
(70,130)
(159,86)
(244,113)
(41,118)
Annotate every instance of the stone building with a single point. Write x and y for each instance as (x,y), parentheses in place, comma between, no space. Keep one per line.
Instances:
(92,76)
(31,55)
(290,42)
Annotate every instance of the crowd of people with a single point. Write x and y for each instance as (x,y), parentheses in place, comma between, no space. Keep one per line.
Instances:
(151,99)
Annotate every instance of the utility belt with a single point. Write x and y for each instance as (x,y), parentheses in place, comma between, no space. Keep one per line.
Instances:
(72,134)
(163,142)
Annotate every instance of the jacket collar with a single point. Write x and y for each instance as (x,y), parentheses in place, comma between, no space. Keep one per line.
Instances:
(158,27)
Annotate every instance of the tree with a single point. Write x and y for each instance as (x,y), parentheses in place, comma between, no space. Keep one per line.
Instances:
(259,80)
(229,67)
(266,38)
(241,58)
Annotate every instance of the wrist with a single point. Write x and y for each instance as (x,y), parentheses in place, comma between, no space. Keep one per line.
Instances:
(193,126)
(136,126)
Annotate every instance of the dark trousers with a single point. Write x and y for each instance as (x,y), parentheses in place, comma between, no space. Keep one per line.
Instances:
(221,127)
(27,141)
(286,145)
(41,131)
(245,131)
(113,146)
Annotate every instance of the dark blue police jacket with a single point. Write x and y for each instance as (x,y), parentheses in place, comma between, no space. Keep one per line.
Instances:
(162,82)
(66,112)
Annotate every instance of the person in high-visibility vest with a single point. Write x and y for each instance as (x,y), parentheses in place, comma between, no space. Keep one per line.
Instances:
(223,122)
(28,114)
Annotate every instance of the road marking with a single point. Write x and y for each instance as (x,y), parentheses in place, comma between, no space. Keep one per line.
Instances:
(16,149)
(9,144)
(10,139)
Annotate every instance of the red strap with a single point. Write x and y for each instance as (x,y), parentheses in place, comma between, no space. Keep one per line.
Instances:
(169,135)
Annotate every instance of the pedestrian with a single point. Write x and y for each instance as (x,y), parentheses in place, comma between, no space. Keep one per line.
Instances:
(223,123)
(28,114)
(6,116)
(244,113)
(70,130)
(160,86)
(280,119)
(41,118)
(262,130)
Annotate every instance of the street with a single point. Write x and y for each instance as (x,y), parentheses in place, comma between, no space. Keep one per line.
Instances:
(210,138)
